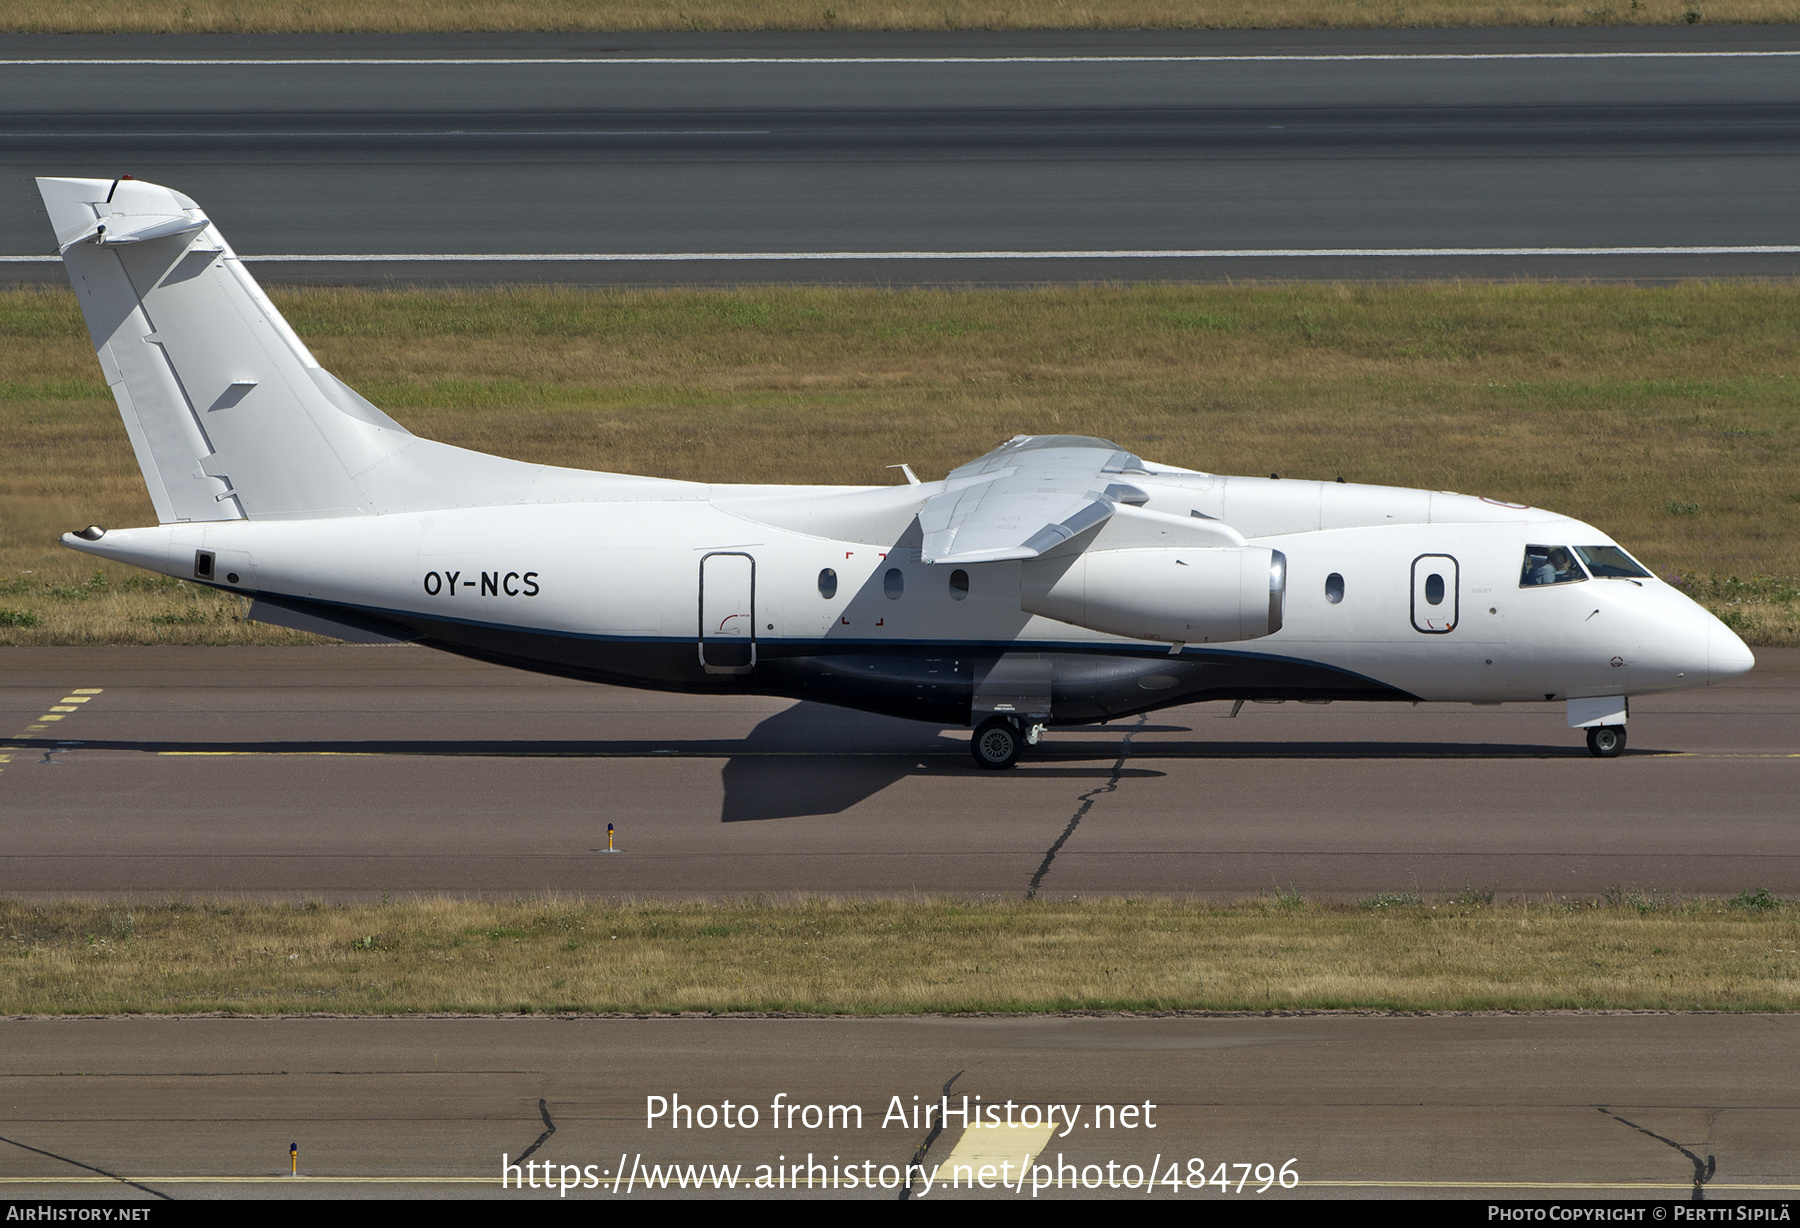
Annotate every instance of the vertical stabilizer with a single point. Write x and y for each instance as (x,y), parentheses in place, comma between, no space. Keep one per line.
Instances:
(230,414)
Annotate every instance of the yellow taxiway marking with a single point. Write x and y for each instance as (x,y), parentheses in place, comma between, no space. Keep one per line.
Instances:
(66,704)
(1709,754)
(991,1146)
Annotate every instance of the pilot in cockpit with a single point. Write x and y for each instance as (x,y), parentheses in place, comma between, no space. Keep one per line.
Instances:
(1549,565)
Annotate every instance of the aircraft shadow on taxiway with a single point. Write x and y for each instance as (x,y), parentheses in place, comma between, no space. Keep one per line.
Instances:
(814,759)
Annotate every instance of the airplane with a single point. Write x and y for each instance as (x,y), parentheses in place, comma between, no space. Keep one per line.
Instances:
(1058,580)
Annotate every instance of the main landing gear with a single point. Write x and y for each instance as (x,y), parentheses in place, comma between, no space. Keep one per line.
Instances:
(1606,741)
(999,739)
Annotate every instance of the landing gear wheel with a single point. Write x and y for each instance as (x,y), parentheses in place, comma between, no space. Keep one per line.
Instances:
(1606,741)
(996,744)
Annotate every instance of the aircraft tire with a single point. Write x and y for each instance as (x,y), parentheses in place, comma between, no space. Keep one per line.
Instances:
(1606,741)
(996,744)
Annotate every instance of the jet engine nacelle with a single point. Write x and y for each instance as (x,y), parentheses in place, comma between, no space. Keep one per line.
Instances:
(1197,596)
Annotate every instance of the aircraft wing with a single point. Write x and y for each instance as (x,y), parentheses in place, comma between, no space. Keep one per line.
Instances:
(1029,495)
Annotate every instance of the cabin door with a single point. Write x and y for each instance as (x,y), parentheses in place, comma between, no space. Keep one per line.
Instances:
(1436,593)
(727,613)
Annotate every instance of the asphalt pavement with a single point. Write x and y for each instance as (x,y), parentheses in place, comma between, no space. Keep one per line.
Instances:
(1610,153)
(1568,1107)
(345,772)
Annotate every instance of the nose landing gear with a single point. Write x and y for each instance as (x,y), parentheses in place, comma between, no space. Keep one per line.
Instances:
(1606,741)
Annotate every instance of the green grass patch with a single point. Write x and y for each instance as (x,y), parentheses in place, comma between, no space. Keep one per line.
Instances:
(1633,950)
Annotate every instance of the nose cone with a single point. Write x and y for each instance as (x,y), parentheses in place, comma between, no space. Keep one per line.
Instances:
(1727,656)
(1677,642)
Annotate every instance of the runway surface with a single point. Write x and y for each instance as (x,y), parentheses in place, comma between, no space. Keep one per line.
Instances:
(1062,156)
(344,772)
(1663,1107)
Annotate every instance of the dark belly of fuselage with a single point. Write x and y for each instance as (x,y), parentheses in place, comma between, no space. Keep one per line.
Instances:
(947,684)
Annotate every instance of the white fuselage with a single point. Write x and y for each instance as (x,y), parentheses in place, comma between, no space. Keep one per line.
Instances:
(626,572)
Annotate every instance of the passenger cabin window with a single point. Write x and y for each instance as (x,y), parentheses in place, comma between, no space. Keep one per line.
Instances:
(1334,588)
(1549,565)
(1611,563)
(1434,589)
(828,584)
(893,584)
(959,585)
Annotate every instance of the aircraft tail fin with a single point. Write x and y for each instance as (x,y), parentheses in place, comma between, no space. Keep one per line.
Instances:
(230,414)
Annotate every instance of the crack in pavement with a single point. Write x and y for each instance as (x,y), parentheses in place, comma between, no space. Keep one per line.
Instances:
(1702,1172)
(78,1164)
(549,1129)
(918,1157)
(1087,803)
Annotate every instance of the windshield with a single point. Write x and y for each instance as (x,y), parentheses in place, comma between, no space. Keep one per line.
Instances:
(1550,565)
(1611,563)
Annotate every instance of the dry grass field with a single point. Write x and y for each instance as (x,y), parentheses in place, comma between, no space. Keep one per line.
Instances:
(882,957)
(1667,416)
(417,16)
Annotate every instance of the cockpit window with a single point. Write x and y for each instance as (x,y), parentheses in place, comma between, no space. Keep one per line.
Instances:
(1550,565)
(1611,563)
